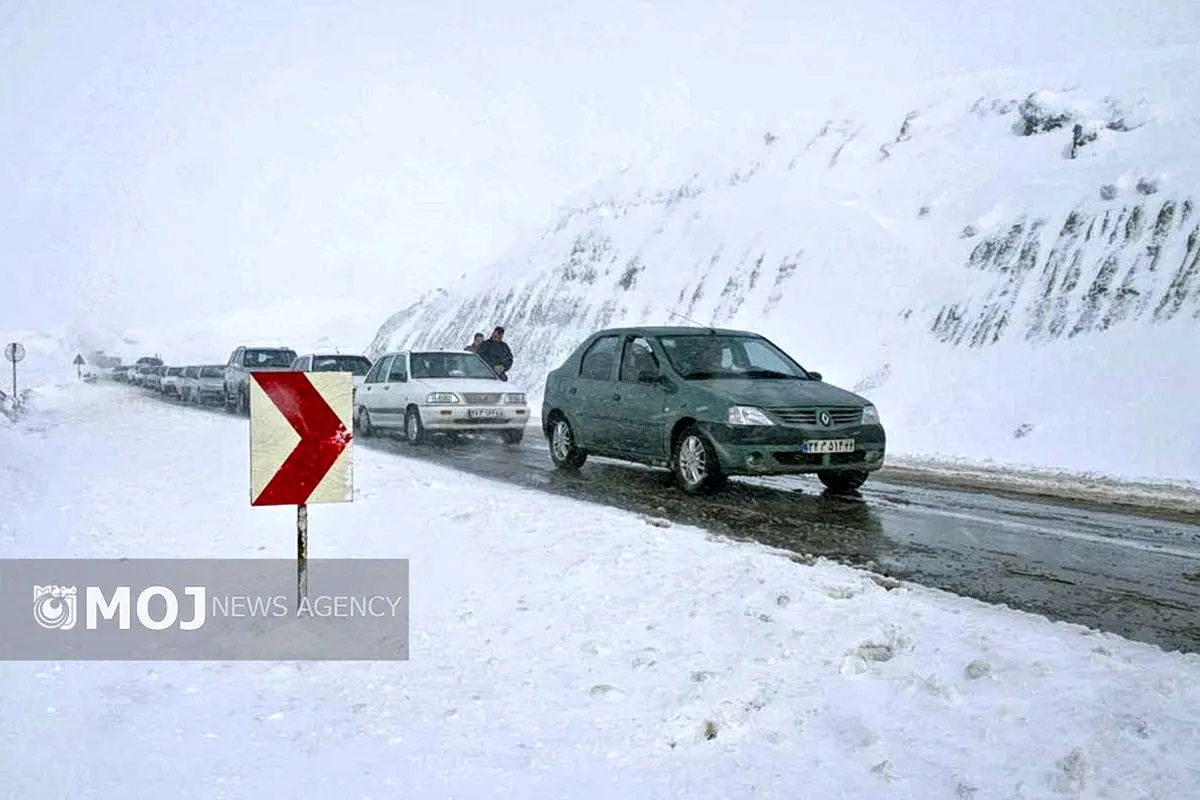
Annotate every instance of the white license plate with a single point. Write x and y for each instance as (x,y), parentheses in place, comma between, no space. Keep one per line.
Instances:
(477,413)
(828,446)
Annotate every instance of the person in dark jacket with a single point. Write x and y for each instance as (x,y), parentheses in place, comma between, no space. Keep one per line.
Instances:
(473,347)
(497,353)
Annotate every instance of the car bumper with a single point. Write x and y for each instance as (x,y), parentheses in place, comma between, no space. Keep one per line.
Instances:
(778,450)
(474,418)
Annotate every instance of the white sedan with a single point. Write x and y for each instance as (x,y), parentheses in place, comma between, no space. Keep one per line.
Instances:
(438,391)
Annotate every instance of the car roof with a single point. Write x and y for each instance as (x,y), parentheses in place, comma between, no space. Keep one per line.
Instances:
(674,330)
(333,355)
(426,350)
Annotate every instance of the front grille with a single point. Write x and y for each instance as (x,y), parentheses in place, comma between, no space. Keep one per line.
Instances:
(811,416)
(477,399)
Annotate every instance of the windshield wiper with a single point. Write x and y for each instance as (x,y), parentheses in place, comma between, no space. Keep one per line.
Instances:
(769,373)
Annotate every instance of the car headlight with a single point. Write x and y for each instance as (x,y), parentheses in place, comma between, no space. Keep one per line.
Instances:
(515,399)
(442,399)
(748,415)
(870,415)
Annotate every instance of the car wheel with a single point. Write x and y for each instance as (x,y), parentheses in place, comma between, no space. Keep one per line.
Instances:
(364,423)
(695,463)
(243,403)
(843,481)
(414,429)
(513,437)
(564,452)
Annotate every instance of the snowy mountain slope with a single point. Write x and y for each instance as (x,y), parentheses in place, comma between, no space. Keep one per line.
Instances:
(1006,263)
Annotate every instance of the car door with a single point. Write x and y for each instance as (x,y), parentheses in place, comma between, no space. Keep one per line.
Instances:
(394,392)
(371,394)
(593,392)
(639,401)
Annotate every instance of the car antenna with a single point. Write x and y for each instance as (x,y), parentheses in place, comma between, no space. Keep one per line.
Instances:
(689,319)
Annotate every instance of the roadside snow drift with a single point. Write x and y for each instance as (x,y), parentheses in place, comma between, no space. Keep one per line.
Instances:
(558,650)
(1006,264)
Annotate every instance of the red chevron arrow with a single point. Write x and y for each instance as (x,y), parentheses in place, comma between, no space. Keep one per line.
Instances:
(323,437)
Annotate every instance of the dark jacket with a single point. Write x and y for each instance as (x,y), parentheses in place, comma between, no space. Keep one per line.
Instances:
(496,354)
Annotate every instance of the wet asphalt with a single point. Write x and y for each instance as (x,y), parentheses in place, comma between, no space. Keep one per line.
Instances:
(1111,570)
(1135,576)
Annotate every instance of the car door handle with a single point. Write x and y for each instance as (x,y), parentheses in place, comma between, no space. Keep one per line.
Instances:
(572,390)
(616,397)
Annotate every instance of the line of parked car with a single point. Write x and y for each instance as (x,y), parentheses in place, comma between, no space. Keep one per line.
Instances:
(704,403)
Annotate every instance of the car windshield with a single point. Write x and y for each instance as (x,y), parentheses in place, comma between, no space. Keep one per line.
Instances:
(355,365)
(173,371)
(716,356)
(269,358)
(450,365)
(212,372)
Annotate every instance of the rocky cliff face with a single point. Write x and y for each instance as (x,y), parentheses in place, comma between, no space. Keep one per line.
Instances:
(965,221)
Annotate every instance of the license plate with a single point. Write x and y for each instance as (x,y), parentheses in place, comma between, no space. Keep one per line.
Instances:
(828,446)
(477,413)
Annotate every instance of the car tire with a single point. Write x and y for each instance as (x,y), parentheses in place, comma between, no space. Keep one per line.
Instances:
(363,418)
(564,452)
(513,437)
(695,464)
(243,403)
(414,429)
(843,481)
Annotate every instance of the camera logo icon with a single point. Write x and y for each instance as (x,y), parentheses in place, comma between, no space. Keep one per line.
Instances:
(55,607)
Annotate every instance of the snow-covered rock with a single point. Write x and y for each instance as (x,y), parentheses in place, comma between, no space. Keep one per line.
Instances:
(1007,264)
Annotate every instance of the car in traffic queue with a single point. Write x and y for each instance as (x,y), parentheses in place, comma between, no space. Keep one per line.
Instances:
(438,392)
(244,361)
(204,384)
(172,382)
(152,377)
(706,404)
(357,366)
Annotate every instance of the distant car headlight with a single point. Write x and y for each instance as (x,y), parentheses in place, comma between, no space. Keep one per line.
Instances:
(515,398)
(870,415)
(442,399)
(748,415)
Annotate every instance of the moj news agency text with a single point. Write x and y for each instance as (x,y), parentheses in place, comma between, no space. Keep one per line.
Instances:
(160,608)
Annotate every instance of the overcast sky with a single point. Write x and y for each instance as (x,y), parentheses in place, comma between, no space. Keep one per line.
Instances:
(169,159)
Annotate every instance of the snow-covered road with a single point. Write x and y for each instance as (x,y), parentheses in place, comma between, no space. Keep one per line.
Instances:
(559,649)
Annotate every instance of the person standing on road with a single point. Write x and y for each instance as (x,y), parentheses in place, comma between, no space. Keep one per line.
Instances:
(497,353)
(473,347)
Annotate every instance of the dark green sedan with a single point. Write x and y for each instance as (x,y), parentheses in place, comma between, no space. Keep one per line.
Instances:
(706,404)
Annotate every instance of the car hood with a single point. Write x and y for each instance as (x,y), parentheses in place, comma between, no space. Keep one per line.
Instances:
(472,385)
(781,394)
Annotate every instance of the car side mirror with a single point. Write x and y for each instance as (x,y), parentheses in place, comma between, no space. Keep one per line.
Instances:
(666,383)
(816,376)
(648,376)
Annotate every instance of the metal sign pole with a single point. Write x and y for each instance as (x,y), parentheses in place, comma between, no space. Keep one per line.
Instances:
(301,555)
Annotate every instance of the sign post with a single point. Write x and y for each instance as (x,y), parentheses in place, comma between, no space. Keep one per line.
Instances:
(300,448)
(14,352)
(79,362)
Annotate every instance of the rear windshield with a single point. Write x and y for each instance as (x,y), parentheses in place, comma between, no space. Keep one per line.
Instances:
(355,365)
(174,371)
(212,372)
(269,358)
